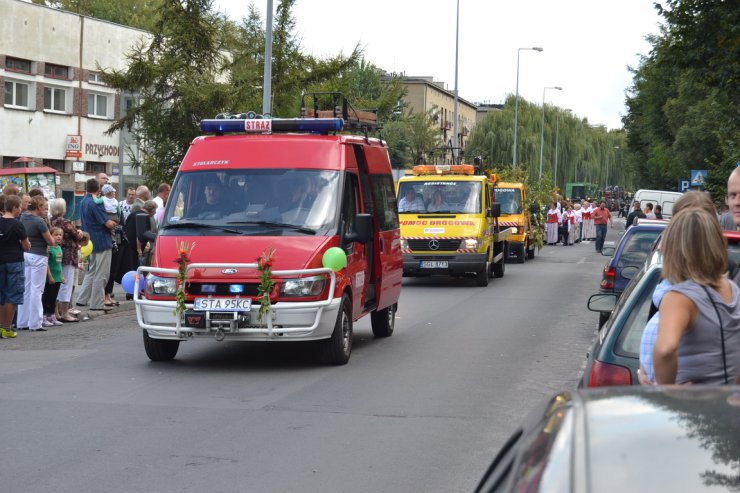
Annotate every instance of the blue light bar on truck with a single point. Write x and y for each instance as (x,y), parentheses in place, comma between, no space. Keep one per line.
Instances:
(312,125)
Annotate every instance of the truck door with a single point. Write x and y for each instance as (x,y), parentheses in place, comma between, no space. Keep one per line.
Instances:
(368,207)
(385,268)
(356,260)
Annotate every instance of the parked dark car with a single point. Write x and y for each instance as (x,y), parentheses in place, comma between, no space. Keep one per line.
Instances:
(615,355)
(628,257)
(674,438)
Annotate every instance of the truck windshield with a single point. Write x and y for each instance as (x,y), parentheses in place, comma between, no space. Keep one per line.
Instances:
(510,200)
(255,201)
(453,197)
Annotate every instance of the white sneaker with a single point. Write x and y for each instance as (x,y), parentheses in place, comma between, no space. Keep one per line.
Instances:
(56,322)
(47,323)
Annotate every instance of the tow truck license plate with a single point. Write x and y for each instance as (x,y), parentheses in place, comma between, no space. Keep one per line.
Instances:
(433,264)
(223,304)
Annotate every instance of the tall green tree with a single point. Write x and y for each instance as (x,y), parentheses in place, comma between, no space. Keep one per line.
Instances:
(683,104)
(583,152)
(175,79)
(423,137)
(293,72)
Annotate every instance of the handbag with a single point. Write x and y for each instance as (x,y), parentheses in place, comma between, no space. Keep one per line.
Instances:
(721,333)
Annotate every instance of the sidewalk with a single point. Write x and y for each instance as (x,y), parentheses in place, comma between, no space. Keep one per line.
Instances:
(119,295)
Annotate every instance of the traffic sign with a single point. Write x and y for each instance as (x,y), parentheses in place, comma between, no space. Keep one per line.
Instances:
(698,177)
(684,185)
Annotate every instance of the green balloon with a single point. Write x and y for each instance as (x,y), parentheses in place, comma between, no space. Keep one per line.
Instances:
(334,259)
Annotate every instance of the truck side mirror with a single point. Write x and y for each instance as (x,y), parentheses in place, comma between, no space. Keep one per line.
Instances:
(495,209)
(363,229)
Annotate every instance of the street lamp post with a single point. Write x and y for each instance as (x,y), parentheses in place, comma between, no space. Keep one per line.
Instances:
(516,100)
(542,130)
(267,72)
(557,135)
(607,168)
(454,117)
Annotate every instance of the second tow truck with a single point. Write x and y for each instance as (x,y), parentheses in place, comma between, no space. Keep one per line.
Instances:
(449,224)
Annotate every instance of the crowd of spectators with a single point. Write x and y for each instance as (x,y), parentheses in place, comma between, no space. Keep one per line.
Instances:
(41,257)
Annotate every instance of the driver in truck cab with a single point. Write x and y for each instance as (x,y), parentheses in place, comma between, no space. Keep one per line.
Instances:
(411,202)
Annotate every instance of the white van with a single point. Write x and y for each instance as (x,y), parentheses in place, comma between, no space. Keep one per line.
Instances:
(658,197)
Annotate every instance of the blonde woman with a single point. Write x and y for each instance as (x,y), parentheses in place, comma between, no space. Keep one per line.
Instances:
(70,253)
(646,373)
(699,329)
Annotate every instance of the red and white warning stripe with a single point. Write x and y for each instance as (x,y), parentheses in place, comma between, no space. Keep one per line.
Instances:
(434,237)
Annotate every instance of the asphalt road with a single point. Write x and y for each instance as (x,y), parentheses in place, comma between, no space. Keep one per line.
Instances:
(84,410)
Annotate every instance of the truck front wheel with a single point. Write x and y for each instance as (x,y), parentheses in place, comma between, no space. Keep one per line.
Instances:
(530,251)
(500,267)
(520,253)
(481,278)
(160,349)
(338,347)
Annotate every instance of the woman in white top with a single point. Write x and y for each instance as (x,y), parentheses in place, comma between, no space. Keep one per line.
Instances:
(579,223)
(552,223)
(589,230)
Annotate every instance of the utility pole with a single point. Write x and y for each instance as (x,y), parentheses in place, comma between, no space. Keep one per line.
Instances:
(267,75)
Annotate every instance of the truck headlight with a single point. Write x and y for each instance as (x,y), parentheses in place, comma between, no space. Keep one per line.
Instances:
(305,286)
(404,244)
(472,243)
(161,286)
(514,231)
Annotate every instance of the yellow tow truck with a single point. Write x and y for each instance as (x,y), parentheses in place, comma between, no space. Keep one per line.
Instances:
(516,215)
(449,224)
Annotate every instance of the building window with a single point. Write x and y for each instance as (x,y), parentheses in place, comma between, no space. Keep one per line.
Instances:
(57,164)
(17,65)
(97,105)
(55,99)
(127,106)
(16,94)
(96,78)
(56,71)
(94,167)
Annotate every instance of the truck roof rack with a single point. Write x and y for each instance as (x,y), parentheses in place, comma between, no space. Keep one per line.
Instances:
(341,117)
(354,120)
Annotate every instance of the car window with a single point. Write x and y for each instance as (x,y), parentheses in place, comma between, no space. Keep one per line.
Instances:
(628,343)
(636,248)
(733,251)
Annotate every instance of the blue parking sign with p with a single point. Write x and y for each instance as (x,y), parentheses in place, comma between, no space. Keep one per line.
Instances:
(684,185)
(698,177)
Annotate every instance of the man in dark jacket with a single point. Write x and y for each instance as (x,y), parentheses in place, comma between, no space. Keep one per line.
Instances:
(636,212)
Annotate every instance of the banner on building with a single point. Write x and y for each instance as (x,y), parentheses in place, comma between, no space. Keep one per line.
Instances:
(74,146)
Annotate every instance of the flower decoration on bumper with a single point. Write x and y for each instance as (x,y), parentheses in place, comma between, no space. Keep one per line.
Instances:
(264,265)
(183,260)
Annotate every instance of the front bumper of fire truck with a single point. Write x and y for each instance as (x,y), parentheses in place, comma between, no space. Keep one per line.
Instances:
(285,321)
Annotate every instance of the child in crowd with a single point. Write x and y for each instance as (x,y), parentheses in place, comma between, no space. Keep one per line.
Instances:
(110,204)
(54,280)
(82,262)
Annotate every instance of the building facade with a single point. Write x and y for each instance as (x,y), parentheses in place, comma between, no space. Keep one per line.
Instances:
(424,94)
(55,110)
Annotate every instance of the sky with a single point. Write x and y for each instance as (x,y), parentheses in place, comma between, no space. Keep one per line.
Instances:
(588,45)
